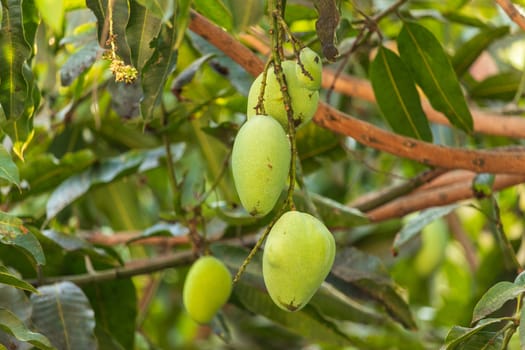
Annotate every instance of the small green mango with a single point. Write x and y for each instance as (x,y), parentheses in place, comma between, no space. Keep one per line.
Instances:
(304,101)
(298,255)
(313,65)
(207,288)
(260,163)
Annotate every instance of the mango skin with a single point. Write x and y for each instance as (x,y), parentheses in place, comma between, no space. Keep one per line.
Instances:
(207,288)
(304,101)
(260,163)
(313,65)
(298,255)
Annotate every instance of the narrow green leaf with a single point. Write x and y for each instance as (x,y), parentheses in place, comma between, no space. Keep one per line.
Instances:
(469,51)
(62,312)
(157,69)
(143,27)
(7,278)
(462,338)
(494,299)
(162,229)
(246,12)
(397,96)
(182,19)
(8,168)
(14,53)
(120,21)
(414,226)
(501,86)
(52,12)
(216,11)
(186,76)
(13,232)
(433,71)
(14,326)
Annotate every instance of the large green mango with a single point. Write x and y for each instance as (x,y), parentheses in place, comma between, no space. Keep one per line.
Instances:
(260,163)
(298,255)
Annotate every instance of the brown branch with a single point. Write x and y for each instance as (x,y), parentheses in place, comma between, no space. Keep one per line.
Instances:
(484,123)
(437,197)
(512,12)
(365,133)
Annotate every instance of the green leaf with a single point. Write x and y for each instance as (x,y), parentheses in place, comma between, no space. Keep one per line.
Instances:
(216,11)
(469,51)
(14,89)
(13,232)
(182,18)
(494,299)
(7,278)
(397,96)
(8,168)
(78,62)
(120,21)
(432,70)
(162,229)
(362,275)
(14,326)
(157,69)
(143,27)
(162,9)
(115,306)
(186,76)
(501,86)
(63,313)
(52,12)
(332,213)
(245,12)
(105,172)
(462,338)
(414,226)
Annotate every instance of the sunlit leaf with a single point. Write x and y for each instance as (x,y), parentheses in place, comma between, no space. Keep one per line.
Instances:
(433,71)
(62,312)
(397,96)
(14,326)
(494,299)
(414,226)
(216,11)
(52,12)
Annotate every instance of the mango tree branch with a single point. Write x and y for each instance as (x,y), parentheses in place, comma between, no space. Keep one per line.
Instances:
(513,13)
(511,161)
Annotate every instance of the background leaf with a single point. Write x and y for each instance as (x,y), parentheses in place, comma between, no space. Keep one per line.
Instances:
(62,312)
(494,299)
(11,324)
(8,168)
(397,96)
(13,232)
(432,70)
(499,86)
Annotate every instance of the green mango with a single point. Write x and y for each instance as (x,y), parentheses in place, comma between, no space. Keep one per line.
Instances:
(304,101)
(298,255)
(260,163)
(207,288)
(313,65)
